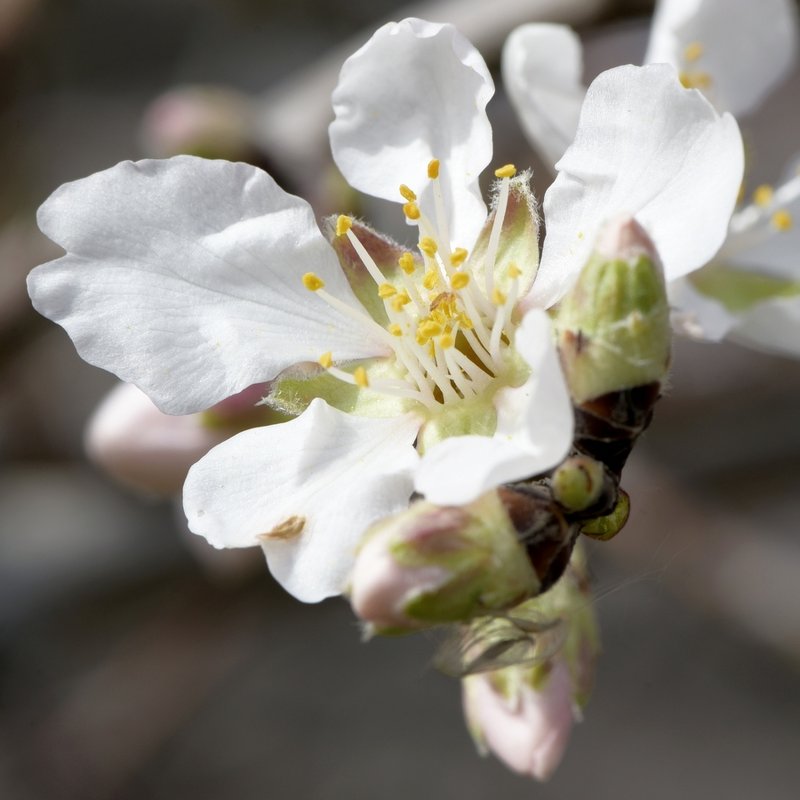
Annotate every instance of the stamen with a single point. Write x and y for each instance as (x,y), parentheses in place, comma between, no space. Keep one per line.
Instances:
(411,210)
(395,329)
(497,225)
(507,171)
(326,359)
(459,281)
(408,194)
(386,290)
(763,195)
(498,298)
(428,246)
(458,257)
(693,51)
(360,377)
(782,220)
(313,282)
(433,169)
(430,280)
(399,300)
(343,224)
(695,80)
(406,263)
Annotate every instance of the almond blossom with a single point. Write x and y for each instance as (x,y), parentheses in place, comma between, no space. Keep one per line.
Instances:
(429,368)
(735,52)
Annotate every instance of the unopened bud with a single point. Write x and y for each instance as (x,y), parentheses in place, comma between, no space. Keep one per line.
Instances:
(432,564)
(613,327)
(524,713)
(578,482)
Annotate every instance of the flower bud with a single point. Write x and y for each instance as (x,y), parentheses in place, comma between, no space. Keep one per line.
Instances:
(524,713)
(432,564)
(613,327)
(578,482)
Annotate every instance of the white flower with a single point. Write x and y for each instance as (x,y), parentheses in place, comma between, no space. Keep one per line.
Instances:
(735,52)
(406,370)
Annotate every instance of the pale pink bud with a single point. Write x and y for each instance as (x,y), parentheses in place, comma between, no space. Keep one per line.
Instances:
(526,727)
(143,448)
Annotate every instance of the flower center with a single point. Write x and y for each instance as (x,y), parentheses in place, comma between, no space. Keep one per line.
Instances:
(449,335)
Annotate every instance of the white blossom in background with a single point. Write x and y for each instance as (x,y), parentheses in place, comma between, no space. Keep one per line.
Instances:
(735,52)
(429,368)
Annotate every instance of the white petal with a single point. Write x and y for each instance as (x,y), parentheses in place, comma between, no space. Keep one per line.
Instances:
(542,72)
(534,429)
(333,472)
(696,315)
(645,146)
(773,326)
(416,91)
(184,277)
(747,46)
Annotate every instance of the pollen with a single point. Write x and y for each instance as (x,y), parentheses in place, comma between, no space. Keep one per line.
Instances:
(514,272)
(408,194)
(433,169)
(695,80)
(763,195)
(386,290)
(459,281)
(399,300)
(428,329)
(693,51)
(458,256)
(360,377)
(431,279)
(406,263)
(782,220)
(446,341)
(428,246)
(313,282)
(343,224)
(507,171)
(411,210)
(326,360)
(395,329)
(498,298)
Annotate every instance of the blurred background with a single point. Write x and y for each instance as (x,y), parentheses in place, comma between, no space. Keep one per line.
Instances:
(136,663)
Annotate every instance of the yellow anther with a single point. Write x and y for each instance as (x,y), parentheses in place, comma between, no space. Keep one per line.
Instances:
(406,263)
(343,224)
(395,329)
(782,220)
(514,272)
(465,322)
(695,80)
(407,193)
(763,195)
(498,298)
(446,341)
(428,245)
(326,359)
(459,281)
(431,279)
(411,210)
(458,256)
(693,51)
(313,282)
(386,290)
(507,171)
(399,300)
(433,169)
(360,375)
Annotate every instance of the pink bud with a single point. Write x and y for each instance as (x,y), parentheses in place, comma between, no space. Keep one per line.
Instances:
(143,448)
(525,727)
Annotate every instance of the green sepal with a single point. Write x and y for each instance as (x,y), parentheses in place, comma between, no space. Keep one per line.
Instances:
(294,389)
(519,239)
(384,252)
(739,289)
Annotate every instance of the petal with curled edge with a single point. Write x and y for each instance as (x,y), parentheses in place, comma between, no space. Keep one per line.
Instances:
(416,91)
(184,277)
(647,147)
(737,51)
(542,72)
(305,490)
(534,429)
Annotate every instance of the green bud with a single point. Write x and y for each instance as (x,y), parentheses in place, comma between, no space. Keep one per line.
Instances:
(608,526)
(432,564)
(613,327)
(578,482)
